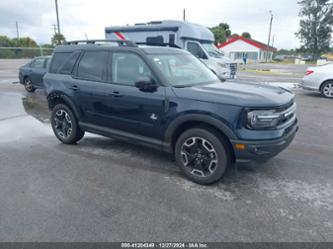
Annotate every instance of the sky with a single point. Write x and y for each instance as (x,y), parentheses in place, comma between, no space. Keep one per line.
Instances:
(77,17)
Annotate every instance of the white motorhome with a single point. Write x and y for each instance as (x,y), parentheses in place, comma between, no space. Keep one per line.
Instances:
(195,38)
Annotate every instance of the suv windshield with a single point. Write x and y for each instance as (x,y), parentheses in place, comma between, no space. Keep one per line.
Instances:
(212,50)
(183,70)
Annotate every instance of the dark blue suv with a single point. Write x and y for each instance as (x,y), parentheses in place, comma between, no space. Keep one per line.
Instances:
(167,99)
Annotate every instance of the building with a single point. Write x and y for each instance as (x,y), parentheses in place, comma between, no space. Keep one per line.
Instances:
(238,47)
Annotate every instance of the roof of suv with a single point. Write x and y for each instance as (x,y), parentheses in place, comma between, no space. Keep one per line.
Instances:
(145,49)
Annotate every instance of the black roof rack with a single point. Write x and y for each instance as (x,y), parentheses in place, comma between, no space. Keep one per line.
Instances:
(119,42)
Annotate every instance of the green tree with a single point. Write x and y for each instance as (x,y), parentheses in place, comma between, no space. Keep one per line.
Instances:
(47,46)
(5,41)
(221,32)
(58,39)
(25,42)
(246,35)
(19,52)
(285,52)
(315,26)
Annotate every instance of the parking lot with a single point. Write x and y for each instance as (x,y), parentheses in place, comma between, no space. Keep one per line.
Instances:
(106,190)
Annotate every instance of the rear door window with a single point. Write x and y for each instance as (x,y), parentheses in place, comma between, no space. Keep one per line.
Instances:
(48,61)
(38,63)
(92,65)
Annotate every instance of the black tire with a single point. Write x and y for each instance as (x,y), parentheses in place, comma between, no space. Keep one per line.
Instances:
(327,89)
(196,162)
(28,85)
(65,125)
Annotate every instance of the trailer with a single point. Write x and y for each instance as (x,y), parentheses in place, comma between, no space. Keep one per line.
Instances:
(195,38)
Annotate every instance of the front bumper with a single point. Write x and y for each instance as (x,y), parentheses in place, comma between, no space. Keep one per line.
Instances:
(262,149)
(20,76)
(227,76)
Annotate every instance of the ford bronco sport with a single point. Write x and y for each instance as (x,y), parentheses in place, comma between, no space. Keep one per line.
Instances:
(166,98)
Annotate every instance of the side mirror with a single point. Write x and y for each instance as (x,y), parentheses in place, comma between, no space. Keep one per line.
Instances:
(146,84)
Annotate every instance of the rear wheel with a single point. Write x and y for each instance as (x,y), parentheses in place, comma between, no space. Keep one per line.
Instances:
(28,85)
(65,125)
(327,89)
(202,155)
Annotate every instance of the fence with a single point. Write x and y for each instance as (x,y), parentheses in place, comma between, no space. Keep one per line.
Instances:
(23,52)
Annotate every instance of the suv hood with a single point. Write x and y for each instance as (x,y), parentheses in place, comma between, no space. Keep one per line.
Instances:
(237,93)
(223,59)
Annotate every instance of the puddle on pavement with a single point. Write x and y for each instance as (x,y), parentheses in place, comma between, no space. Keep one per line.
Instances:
(36,106)
(23,117)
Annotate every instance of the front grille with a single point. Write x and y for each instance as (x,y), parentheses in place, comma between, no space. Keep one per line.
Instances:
(287,116)
(233,68)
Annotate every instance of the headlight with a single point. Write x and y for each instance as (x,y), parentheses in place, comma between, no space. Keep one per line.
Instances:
(223,65)
(263,119)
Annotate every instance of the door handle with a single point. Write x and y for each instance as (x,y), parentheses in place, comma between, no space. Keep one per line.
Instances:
(74,88)
(116,94)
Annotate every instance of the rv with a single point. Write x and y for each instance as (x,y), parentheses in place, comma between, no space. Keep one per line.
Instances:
(195,38)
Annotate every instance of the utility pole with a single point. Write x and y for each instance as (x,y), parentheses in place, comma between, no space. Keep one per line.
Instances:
(184,15)
(58,25)
(54,26)
(269,32)
(273,39)
(17,31)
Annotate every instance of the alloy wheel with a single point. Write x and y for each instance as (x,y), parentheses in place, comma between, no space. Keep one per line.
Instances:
(62,124)
(199,156)
(328,90)
(28,85)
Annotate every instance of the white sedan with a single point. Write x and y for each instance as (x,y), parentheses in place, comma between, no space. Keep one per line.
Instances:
(319,79)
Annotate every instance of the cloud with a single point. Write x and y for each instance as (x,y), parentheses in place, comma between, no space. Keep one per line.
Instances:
(77,17)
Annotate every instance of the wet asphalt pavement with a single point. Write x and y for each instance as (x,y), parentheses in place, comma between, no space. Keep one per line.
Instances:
(105,190)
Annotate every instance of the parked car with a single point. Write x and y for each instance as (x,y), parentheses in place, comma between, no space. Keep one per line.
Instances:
(279,58)
(167,99)
(319,79)
(31,74)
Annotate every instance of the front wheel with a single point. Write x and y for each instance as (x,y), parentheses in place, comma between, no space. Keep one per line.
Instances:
(28,85)
(202,155)
(65,125)
(327,89)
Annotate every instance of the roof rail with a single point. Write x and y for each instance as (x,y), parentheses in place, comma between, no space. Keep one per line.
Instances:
(119,42)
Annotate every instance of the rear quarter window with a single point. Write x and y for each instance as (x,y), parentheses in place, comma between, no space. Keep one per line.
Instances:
(58,60)
(68,66)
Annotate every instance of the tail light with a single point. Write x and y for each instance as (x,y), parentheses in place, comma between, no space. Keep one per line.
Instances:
(308,72)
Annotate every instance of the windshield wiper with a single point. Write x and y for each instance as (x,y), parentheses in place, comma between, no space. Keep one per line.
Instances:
(215,54)
(182,86)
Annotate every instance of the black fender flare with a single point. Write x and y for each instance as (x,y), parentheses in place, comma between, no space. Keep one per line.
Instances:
(204,118)
(66,100)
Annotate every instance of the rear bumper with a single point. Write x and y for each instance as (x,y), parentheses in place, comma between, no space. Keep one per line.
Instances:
(310,84)
(262,149)
(309,88)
